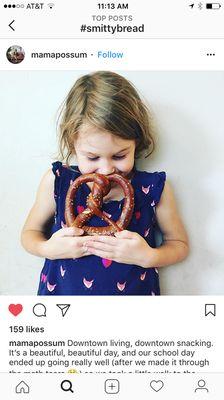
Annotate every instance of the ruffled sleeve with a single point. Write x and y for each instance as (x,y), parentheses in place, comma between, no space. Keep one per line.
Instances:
(157,186)
(148,187)
(64,175)
(57,171)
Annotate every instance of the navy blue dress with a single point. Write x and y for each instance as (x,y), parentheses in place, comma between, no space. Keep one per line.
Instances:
(93,275)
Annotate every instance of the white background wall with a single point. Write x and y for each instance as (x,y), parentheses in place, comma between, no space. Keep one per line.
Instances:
(188,112)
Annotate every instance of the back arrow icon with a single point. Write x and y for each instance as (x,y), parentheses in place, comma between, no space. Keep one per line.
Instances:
(10,25)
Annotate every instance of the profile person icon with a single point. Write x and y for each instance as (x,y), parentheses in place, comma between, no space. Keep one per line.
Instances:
(201,386)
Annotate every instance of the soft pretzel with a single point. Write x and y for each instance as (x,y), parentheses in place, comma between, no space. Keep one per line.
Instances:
(101,187)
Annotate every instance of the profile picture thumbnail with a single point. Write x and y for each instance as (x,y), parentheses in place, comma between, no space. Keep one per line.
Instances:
(15,54)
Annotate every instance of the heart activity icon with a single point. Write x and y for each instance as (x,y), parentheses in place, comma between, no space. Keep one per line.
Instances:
(15,309)
(156,385)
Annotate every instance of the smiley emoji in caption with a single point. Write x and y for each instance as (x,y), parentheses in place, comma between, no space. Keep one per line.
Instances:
(15,309)
(72,371)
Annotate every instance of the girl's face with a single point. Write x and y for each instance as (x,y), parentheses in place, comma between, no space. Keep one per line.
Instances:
(102,152)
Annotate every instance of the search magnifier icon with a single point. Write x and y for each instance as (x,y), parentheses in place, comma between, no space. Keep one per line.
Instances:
(66,386)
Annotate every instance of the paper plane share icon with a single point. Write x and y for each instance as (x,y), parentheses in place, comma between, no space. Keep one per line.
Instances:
(64,308)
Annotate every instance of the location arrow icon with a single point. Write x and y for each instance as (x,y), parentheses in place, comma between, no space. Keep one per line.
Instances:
(64,308)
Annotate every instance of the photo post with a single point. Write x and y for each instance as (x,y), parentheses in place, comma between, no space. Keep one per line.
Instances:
(112,272)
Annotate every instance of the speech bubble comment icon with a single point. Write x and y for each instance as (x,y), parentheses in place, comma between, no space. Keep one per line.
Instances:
(40,310)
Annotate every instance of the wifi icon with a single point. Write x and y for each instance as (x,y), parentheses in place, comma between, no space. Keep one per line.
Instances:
(51,5)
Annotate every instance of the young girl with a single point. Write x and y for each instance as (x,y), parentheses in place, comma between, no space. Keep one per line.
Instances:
(106,126)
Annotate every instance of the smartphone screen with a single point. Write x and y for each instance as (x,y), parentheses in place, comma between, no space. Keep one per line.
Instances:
(112,262)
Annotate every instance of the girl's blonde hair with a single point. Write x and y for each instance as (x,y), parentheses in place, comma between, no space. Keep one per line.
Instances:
(110,102)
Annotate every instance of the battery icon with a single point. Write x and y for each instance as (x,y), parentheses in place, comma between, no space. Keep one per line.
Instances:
(213,6)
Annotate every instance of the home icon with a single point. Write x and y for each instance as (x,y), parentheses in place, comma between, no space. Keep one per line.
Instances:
(22,387)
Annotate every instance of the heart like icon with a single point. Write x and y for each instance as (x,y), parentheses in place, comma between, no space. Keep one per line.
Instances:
(156,385)
(15,309)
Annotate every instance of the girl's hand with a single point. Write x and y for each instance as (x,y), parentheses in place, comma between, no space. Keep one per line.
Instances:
(127,247)
(65,243)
